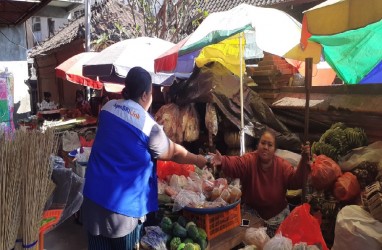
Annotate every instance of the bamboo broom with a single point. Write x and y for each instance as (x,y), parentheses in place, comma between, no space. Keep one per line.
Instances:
(10,183)
(37,148)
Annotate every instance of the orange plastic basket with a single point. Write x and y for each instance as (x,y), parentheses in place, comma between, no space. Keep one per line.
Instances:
(216,224)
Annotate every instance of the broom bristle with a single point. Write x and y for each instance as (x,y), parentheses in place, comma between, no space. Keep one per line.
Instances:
(25,184)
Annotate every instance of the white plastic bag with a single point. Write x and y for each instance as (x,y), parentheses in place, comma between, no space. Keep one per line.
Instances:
(278,243)
(70,141)
(357,229)
(371,153)
(256,236)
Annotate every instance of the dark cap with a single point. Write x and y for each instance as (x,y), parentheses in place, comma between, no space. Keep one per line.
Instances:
(137,81)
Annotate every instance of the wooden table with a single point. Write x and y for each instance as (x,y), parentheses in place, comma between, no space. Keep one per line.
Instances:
(229,239)
(233,237)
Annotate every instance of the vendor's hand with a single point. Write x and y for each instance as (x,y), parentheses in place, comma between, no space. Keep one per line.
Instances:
(305,150)
(201,161)
(216,159)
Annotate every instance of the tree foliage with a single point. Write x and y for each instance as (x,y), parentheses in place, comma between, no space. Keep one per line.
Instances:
(171,20)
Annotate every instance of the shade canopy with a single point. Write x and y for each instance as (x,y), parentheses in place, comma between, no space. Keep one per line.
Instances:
(71,70)
(113,63)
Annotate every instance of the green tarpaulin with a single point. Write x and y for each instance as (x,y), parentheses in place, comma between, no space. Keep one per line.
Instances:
(353,54)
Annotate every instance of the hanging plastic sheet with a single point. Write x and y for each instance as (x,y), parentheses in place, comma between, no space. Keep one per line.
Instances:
(214,83)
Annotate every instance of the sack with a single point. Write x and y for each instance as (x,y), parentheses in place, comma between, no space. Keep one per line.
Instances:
(346,187)
(325,172)
(70,141)
(301,226)
(357,229)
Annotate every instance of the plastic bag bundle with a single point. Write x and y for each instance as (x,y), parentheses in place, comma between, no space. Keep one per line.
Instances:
(154,238)
(167,116)
(325,172)
(70,141)
(256,236)
(211,119)
(190,123)
(278,242)
(346,187)
(187,198)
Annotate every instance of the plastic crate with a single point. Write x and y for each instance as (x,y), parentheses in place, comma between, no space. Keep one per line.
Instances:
(216,224)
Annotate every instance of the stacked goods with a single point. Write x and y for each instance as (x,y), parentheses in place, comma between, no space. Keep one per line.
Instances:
(183,234)
(200,190)
(272,73)
(373,196)
(338,140)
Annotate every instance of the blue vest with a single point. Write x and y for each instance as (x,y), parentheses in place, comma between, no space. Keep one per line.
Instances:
(121,175)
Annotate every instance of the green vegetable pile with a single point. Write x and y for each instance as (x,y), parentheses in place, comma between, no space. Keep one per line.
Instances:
(183,234)
(338,140)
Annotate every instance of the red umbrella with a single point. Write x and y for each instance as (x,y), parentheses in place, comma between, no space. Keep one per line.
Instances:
(71,70)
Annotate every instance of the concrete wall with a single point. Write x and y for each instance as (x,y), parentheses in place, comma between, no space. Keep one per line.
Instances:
(43,35)
(13,43)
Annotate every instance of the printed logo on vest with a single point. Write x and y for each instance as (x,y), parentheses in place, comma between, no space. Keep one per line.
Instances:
(127,109)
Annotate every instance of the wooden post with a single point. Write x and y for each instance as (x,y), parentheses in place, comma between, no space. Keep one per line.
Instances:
(308,85)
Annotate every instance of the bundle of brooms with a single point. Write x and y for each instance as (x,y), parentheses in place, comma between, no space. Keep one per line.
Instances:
(28,153)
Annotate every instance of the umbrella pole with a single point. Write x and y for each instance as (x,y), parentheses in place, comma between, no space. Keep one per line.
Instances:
(242,134)
(308,85)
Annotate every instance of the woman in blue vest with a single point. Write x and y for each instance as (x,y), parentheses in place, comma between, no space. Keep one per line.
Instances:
(121,183)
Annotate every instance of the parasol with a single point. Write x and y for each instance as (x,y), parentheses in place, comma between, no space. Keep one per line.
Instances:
(349,32)
(276,32)
(112,64)
(71,70)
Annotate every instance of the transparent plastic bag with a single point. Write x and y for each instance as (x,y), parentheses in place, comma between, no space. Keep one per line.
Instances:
(70,141)
(188,198)
(278,242)
(256,236)
(154,238)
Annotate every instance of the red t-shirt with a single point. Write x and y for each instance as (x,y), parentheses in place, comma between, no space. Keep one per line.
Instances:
(264,191)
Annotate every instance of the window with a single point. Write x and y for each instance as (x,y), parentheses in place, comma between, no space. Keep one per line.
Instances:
(50,27)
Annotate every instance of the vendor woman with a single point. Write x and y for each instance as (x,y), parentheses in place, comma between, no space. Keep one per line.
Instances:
(81,104)
(265,179)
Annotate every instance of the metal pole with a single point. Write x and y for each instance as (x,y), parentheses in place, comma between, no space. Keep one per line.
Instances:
(87,24)
(88,15)
(242,134)
(308,85)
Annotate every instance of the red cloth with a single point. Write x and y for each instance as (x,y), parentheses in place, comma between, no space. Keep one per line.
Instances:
(264,191)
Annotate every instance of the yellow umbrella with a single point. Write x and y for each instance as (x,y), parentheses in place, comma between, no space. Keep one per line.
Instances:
(336,16)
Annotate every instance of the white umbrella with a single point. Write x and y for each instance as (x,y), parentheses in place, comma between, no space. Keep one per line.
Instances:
(113,63)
